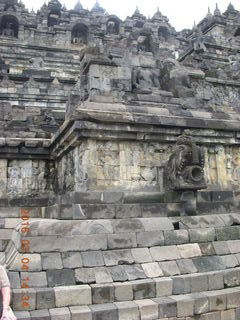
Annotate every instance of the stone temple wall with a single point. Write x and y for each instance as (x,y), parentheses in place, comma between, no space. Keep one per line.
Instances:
(137,166)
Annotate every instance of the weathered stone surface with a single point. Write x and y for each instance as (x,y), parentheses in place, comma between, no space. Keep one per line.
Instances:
(127,310)
(141,255)
(72,296)
(104,312)
(165,253)
(164,287)
(102,293)
(122,240)
(63,277)
(51,260)
(92,259)
(148,309)
(144,289)
(82,312)
(60,313)
(115,257)
(71,260)
(45,298)
(123,291)
(167,307)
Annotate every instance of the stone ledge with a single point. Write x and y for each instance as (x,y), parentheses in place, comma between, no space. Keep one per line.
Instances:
(205,306)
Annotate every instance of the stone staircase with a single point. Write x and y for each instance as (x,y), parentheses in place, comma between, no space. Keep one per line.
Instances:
(10,217)
(125,266)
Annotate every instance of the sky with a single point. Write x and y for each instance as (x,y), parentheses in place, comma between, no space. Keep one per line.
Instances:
(181,13)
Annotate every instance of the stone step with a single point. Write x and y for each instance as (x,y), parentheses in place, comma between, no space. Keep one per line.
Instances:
(17,212)
(122,291)
(218,304)
(113,234)
(58,268)
(133,210)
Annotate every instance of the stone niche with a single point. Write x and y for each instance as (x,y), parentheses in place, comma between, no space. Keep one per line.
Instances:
(138,166)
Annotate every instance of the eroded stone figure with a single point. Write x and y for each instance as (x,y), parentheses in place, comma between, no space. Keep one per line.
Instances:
(185,167)
(145,79)
(144,43)
(175,78)
(112,27)
(8,31)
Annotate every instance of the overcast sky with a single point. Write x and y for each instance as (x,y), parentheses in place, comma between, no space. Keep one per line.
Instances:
(181,13)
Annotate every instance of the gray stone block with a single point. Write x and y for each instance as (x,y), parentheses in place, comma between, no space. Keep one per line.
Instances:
(208,263)
(116,257)
(14,280)
(230,261)
(221,247)
(45,298)
(85,275)
(80,312)
(175,237)
(60,314)
(202,235)
(167,307)
(201,303)
(181,284)
(99,211)
(102,275)
(199,282)
(185,305)
(118,273)
(122,240)
(134,272)
(165,253)
(102,293)
(71,260)
(150,239)
(207,249)
(36,279)
(128,211)
(123,291)
(127,225)
(22,315)
(169,268)
(63,277)
(104,312)
(189,250)
(144,289)
(19,294)
(217,300)
(228,315)
(73,296)
(148,309)
(141,255)
(215,280)
(157,224)
(228,233)
(127,310)
(34,264)
(152,270)
(52,260)
(234,246)
(186,266)
(40,315)
(92,259)
(164,287)
(232,278)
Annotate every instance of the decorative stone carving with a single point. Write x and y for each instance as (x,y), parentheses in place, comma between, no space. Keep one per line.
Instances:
(175,78)
(185,167)
(145,78)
